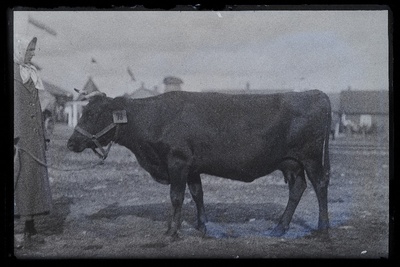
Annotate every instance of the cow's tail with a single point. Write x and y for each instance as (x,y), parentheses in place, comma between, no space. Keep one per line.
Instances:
(325,154)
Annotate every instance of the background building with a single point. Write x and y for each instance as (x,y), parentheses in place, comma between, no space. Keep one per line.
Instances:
(172,84)
(73,109)
(142,92)
(365,111)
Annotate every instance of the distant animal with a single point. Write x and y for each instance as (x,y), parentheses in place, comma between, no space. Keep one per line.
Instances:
(177,136)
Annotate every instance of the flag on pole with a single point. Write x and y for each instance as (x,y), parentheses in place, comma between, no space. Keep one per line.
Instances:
(131,74)
(42,26)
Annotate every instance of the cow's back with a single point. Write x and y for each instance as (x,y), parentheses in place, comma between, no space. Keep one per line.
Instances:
(227,105)
(238,115)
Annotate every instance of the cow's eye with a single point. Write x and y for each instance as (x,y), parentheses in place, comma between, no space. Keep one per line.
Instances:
(86,112)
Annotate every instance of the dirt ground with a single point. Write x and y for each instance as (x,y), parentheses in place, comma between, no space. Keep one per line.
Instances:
(116,210)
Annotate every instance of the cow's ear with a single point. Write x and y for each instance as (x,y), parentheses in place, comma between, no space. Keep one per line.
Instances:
(94,95)
(95,98)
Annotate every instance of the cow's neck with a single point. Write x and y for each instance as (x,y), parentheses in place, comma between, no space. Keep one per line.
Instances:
(130,134)
(148,154)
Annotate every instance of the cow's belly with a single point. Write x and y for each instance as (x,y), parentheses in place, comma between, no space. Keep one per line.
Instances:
(243,164)
(239,174)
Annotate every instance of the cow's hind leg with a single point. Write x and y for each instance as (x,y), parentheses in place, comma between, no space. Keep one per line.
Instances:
(196,190)
(297,185)
(320,182)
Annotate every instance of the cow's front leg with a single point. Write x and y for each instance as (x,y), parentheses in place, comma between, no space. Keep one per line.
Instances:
(178,172)
(177,194)
(196,190)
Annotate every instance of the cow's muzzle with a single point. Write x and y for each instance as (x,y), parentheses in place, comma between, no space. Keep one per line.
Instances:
(74,146)
(103,153)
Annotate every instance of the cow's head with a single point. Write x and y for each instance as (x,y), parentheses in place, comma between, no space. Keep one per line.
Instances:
(97,116)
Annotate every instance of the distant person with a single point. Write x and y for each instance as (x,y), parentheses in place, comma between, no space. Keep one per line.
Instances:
(32,195)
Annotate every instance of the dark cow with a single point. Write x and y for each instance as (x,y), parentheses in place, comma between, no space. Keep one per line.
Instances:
(177,136)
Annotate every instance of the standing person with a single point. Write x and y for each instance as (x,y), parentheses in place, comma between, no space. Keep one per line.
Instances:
(32,193)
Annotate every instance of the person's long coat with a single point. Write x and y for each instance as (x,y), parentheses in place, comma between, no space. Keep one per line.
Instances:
(32,194)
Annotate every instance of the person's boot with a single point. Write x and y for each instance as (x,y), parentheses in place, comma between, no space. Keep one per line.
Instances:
(30,229)
(30,234)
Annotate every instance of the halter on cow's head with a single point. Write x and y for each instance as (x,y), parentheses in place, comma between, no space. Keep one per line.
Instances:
(98,126)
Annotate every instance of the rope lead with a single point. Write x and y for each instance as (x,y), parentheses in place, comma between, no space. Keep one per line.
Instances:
(101,162)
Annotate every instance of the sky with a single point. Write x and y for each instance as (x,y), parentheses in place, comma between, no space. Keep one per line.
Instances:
(219,50)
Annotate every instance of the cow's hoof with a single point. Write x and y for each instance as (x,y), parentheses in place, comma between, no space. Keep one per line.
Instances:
(169,232)
(322,235)
(278,231)
(172,234)
(202,229)
(173,238)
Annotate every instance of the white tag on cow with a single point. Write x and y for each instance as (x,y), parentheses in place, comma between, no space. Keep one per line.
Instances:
(119,116)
